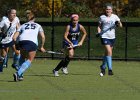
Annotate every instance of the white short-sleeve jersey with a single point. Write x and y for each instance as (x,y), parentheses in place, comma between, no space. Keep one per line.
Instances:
(107,22)
(16,18)
(29,31)
(4,24)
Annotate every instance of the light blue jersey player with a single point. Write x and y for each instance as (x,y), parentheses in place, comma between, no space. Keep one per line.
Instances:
(28,43)
(70,40)
(108,38)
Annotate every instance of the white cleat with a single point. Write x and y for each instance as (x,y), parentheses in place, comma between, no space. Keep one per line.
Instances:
(65,70)
(101,74)
(55,73)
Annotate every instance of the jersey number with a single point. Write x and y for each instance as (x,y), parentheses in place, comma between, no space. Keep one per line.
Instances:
(30,26)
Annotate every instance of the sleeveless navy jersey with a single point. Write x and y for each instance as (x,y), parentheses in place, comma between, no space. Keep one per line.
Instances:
(74,34)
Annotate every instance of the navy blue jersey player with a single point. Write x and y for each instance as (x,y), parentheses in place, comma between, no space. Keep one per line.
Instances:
(73,35)
(70,41)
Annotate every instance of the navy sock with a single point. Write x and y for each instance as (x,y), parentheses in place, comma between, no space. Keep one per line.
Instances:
(66,62)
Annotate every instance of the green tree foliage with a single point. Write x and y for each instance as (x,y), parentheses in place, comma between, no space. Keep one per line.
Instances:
(85,8)
(76,6)
(7,4)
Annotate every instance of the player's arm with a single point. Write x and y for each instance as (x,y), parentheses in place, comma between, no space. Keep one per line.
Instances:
(99,28)
(16,34)
(66,35)
(120,24)
(17,26)
(84,35)
(18,23)
(42,35)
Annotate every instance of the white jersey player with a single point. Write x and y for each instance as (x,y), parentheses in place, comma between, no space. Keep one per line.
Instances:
(108,38)
(8,26)
(28,42)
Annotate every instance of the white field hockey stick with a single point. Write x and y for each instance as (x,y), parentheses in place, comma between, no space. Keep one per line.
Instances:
(110,28)
(73,46)
(53,52)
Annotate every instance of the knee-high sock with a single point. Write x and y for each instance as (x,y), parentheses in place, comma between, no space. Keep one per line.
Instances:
(104,63)
(21,60)
(109,62)
(1,64)
(67,60)
(24,67)
(63,63)
(16,58)
(5,61)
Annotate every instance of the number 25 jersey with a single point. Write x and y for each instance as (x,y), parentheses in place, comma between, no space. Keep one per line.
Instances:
(29,31)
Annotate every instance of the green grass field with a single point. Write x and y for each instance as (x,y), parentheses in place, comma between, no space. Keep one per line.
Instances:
(82,83)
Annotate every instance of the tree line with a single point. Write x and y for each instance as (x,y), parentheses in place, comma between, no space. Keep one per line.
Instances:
(63,8)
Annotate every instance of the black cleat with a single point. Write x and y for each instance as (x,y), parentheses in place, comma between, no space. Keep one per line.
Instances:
(110,72)
(15,75)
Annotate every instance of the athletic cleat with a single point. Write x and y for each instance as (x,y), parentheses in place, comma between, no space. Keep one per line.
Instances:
(20,78)
(102,70)
(110,72)
(4,66)
(16,77)
(15,66)
(101,74)
(65,70)
(55,73)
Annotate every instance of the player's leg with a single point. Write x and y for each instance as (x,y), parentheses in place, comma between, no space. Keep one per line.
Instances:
(61,63)
(67,60)
(103,66)
(1,63)
(69,57)
(3,55)
(64,63)
(5,61)
(16,57)
(25,65)
(109,58)
(28,52)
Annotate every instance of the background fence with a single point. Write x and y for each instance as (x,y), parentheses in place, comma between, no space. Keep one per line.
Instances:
(127,45)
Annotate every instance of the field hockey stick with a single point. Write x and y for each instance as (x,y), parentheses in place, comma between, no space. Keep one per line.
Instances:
(110,28)
(74,46)
(53,52)
(3,35)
